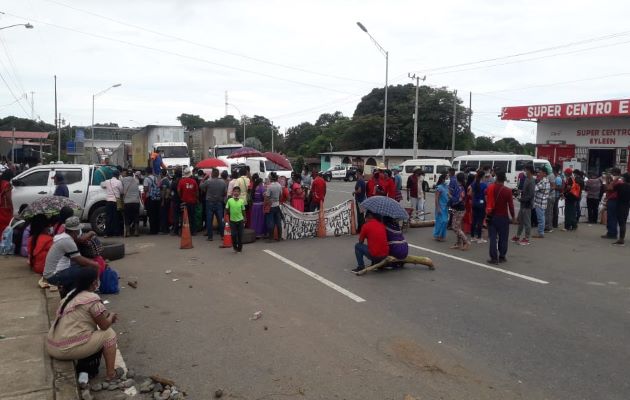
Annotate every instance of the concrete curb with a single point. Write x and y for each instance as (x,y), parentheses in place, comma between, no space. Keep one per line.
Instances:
(64,376)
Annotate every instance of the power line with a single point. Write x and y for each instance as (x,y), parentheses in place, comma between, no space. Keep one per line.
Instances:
(14,96)
(232,53)
(558,83)
(322,106)
(541,50)
(155,49)
(14,74)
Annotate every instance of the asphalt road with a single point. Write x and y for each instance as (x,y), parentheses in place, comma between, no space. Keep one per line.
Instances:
(551,323)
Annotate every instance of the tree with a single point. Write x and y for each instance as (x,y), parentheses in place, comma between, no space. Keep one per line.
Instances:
(190,121)
(23,124)
(484,143)
(254,143)
(508,145)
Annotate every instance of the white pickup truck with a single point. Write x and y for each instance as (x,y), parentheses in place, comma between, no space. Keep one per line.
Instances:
(37,182)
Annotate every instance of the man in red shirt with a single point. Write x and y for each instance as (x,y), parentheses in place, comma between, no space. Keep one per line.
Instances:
(377,248)
(318,192)
(376,185)
(188,192)
(498,203)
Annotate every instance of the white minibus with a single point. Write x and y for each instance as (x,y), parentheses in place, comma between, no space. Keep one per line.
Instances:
(432,167)
(511,164)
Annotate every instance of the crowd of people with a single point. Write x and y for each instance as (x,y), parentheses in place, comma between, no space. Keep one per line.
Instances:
(469,201)
(205,194)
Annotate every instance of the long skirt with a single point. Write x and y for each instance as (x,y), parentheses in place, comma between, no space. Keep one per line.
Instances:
(441,220)
(258,219)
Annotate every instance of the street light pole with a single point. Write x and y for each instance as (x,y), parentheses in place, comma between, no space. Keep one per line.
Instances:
(27,26)
(243,120)
(271,136)
(415,116)
(386,54)
(94,96)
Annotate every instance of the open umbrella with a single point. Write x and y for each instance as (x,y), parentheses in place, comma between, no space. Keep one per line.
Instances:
(385,206)
(211,163)
(278,159)
(245,152)
(49,206)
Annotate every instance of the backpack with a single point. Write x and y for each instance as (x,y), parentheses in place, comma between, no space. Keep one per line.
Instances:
(109,281)
(576,190)
(6,244)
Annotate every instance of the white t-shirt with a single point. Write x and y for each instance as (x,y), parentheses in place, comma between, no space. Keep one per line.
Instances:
(420,182)
(62,250)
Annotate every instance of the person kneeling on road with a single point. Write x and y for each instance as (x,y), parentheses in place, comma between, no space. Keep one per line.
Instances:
(82,330)
(64,261)
(377,248)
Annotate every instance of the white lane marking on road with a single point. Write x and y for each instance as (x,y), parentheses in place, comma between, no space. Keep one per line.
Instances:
(315,276)
(504,271)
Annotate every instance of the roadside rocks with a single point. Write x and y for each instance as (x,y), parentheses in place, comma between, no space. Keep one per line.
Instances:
(131,385)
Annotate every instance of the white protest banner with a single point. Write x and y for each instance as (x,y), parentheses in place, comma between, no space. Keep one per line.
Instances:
(337,221)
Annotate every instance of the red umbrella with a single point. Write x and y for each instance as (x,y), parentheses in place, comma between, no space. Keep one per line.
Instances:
(211,163)
(278,159)
(245,152)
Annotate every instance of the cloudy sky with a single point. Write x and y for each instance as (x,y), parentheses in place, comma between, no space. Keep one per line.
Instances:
(293,60)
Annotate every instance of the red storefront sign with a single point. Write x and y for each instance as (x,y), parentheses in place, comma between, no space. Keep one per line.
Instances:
(593,109)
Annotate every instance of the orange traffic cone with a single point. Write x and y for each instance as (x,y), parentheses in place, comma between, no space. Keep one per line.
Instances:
(186,242)
(227,237)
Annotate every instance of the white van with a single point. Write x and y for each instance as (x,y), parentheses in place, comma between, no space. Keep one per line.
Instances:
(512,164)
(432,167)
(261,166)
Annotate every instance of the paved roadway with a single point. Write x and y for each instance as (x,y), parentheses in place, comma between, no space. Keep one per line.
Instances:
(551,324)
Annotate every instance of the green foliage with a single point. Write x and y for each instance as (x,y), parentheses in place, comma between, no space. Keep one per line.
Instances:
(484,143)
(508,145)
(23,124)
(298,165)
(254,143)
(191,121)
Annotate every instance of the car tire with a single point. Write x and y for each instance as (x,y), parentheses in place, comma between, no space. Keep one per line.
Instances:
(328,178)
(249,236)
(351,178)
(113,250)
(97,220)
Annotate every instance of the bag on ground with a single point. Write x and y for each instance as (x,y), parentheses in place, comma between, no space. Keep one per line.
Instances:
(109,282)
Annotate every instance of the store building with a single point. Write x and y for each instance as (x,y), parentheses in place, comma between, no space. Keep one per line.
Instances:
(594,136)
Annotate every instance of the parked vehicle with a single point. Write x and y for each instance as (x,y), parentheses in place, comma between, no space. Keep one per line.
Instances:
(204,142)
(345,172)
(167,139)
(432,167)
(511,164)
(37,182)
(259,165)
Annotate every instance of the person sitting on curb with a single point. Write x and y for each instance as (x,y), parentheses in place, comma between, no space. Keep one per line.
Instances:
(63,260)
(377,248)
(82,328)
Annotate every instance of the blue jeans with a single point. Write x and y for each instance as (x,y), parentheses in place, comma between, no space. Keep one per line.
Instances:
(274,218)
(66,278)
(611,223)
(540,216)
(360,251)
(214,208)
(499,227)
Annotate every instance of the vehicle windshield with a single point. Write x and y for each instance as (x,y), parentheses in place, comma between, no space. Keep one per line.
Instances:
(173,151)
(272,166)
(225,151)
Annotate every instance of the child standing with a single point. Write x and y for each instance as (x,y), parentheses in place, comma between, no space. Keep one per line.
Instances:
(236,213)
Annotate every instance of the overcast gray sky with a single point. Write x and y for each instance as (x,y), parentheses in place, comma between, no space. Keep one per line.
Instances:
(293,60)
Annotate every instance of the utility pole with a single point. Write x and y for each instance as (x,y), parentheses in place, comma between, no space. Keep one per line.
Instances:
(33,106)
(57,125)
(13,146)
(415,116)
(454,125)
(59,137)
(226,103)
